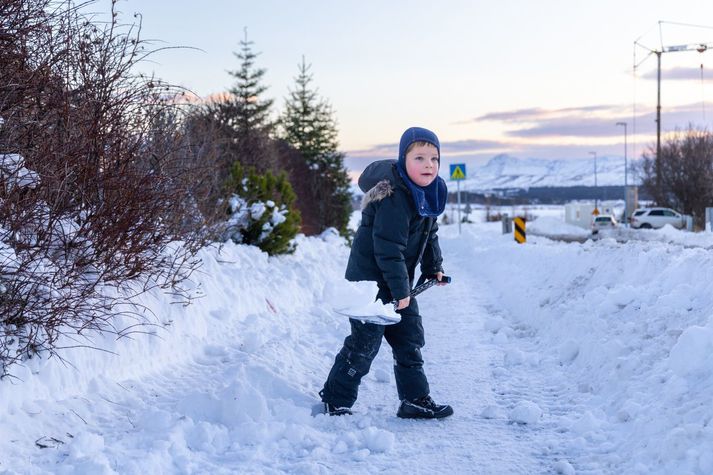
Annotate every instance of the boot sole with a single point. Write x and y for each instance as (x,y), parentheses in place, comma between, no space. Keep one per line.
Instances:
(441,415)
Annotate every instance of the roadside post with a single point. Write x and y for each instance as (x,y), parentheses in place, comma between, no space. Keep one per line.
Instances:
(520,235)
(689,222)
(507,224)
(709,219)
(458,174)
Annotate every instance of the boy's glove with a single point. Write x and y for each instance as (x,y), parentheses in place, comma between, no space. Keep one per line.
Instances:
(403,303)
(425,277)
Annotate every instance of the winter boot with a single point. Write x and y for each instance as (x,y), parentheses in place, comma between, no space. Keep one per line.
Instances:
(336,411)
(423,408)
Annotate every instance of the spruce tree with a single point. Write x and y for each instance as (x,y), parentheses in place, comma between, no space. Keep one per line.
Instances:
(308,124)
(250,112)
(244,114)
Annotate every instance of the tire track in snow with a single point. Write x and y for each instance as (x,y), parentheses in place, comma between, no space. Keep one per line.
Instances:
(461,363)
(518,372)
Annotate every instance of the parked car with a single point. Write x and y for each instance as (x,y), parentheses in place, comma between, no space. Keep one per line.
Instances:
(654,218)
(602,222)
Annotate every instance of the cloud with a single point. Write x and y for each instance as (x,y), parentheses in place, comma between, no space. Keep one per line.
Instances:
(359,159)
(582,121)
(583,127)
(679,74)
(683,114)
(595,120)
(380,151)
(562,133)
(518,115)
(453,147)
(570,127)
(537,113)
(473,145)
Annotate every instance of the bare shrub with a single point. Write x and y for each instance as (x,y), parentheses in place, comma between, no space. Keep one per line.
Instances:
(106,197)
(682,177)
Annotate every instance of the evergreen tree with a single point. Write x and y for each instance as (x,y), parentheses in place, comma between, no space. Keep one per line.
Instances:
(261,210)
(308,124)
(250,113)
(244,115)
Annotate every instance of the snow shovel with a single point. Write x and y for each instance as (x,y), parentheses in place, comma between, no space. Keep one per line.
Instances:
(383,314)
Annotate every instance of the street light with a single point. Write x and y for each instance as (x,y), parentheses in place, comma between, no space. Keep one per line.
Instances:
(626,181)
(596,188)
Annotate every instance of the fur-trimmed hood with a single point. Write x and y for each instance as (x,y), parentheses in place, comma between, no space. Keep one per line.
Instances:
(380,191)
(430,201)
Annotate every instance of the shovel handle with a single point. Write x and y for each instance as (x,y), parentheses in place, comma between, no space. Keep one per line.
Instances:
(426,285)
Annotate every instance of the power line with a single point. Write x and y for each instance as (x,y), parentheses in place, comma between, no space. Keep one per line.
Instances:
(700,47)
(706,27)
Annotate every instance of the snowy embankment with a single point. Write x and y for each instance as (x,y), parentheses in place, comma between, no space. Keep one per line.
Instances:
(631,328)
(555,227)
(592,357)
(237,286)
(257,313)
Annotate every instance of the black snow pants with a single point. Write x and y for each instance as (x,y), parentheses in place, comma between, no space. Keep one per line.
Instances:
(353,361)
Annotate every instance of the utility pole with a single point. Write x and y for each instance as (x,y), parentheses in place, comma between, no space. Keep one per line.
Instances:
(596,187)
(657,163)
(701,48)
(626,181)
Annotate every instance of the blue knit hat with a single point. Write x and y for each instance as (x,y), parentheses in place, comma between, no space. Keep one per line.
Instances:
(416,134)
(430,200)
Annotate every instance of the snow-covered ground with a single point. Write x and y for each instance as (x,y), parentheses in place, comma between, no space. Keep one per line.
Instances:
(557,357)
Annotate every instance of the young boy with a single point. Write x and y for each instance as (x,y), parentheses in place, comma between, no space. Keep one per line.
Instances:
(397,232)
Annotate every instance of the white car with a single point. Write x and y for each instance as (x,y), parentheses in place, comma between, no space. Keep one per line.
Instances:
(603,222)
(654,218)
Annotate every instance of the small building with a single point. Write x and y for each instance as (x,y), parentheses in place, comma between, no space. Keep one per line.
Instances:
(580,213)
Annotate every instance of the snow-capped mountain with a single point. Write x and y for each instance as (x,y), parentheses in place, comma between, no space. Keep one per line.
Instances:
(505,171)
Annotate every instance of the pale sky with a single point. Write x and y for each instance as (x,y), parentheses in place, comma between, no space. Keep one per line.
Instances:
(541,78)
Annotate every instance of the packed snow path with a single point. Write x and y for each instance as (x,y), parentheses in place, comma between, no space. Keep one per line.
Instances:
(556,358)
(210,414)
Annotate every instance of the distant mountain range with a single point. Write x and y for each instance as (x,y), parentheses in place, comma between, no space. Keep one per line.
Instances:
(505,171)
(508,172)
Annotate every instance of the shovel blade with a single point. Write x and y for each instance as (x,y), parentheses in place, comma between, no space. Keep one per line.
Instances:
(375,318)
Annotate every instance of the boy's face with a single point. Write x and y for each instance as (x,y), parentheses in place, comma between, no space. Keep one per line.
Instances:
(422,164)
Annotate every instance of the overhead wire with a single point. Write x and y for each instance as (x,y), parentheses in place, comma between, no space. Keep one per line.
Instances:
(651,51)
(707,27)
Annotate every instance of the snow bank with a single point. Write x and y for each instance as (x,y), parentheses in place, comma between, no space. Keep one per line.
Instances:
(550,225)
(226,385)
(630,325)
(263,313)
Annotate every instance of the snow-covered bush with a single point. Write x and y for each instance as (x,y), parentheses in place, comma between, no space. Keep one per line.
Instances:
(261,210)
(14,174)
(91,200)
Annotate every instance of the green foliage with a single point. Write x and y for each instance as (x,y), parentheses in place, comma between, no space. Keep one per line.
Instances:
(307,122)
(261,210)
(308,125)
(247,111)
(242,116)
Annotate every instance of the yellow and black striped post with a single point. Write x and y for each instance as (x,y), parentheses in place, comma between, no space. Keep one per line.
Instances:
(520,235)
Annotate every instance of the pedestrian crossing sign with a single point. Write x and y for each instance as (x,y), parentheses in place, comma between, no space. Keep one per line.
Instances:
(458,171)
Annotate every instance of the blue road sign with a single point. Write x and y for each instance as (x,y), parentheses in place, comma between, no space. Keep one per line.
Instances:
(458,171)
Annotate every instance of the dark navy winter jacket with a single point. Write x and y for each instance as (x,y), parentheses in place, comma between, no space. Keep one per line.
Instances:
(393,237)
